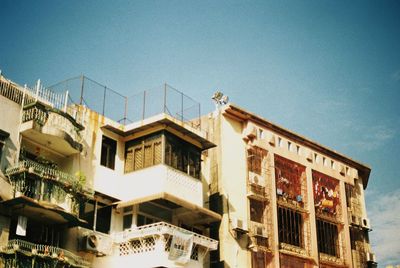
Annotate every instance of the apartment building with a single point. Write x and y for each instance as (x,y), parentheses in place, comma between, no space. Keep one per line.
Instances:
(79,189)
(285,200)
(91,178)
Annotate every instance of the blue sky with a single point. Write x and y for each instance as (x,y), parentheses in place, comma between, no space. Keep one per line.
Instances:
(329,70)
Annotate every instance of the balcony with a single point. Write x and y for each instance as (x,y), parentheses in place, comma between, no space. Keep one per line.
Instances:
(52,128)
(151,181)
(19,253)
(48,186)
(162,245)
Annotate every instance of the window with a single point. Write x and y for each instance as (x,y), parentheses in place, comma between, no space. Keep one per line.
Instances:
(289,146)
(144,220)
(255,156)
(127,219)
(260,134)
(108,151)
(327,235)
(290,225)
(103,215)
(143,152)
(182,156)
(280,142)
(298,149)
(257,211)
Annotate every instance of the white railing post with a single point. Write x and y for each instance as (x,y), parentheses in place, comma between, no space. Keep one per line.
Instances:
(66,101)
(37,89)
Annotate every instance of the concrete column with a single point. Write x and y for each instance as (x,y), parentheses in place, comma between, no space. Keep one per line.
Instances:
(312,218)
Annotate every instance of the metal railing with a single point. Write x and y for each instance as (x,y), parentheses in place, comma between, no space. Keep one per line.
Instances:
(44,251)
(123,109)
(45,172)
(160,228)
(51,117)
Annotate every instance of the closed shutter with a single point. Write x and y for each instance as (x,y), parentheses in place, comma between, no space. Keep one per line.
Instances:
(148,155)
(129,160)
(157,153)
(138,158)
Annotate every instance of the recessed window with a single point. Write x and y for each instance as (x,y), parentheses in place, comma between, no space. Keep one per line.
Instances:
(289,146)
(280,142)
(332,164)
(324,161)
(327,235)
(290,227)
(127,219)
(298,149)
(260,134)
(108,151)
(255,156)
(257,211)
(316,158)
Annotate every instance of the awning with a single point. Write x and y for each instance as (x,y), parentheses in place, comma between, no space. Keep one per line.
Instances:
(187,212)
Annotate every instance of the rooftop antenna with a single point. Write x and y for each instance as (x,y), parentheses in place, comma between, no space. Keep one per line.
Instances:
(219,99)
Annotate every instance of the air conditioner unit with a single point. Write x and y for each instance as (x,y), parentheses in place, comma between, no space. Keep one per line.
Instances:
(256,179)
(91,242)
(98,243)
(354,220)
(260,231)
(371,257)
(239,225)
(365,223)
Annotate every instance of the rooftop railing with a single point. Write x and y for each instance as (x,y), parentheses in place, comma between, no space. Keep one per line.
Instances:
(127,109)
(44,251)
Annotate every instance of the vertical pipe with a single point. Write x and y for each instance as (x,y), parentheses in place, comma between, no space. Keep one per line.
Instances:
(95,216)
(82,85)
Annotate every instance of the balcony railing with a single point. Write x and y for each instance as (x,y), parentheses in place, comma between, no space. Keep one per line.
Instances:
(48,254)
(69,181)
(156,241)
(53,119)
(160,228)
(159,179)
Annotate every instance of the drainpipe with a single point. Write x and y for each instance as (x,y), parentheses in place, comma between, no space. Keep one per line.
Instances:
(95,216)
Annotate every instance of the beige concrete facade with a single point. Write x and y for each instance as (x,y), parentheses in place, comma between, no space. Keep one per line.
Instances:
(78,189)
(235,131)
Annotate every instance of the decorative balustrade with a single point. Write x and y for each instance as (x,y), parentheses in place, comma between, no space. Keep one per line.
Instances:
(158,238)
(67,180)
(160,228)
(51,117)
(41,251)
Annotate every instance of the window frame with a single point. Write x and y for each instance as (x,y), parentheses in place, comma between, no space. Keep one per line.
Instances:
(108,152)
